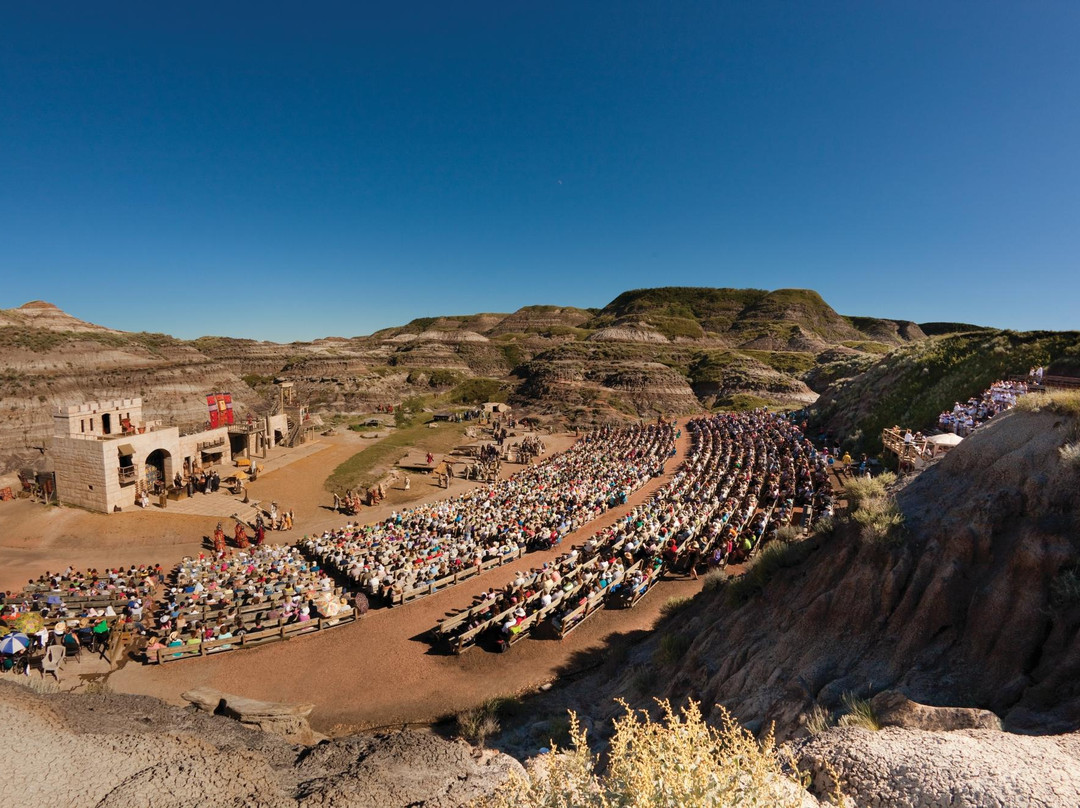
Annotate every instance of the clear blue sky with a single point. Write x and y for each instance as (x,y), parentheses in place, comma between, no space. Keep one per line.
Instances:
(287,171)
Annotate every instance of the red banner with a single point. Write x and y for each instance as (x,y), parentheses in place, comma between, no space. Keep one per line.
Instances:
(220,408)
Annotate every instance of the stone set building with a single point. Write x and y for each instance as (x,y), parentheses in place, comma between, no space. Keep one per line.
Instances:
(105,452)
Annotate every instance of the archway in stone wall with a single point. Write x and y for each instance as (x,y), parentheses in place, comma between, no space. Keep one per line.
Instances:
(159,467)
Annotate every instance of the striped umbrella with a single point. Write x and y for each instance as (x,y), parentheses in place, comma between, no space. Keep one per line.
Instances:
(14,644)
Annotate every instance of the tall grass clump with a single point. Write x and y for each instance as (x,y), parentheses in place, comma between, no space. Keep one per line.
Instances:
(858,713)
(818,720)
(677,761)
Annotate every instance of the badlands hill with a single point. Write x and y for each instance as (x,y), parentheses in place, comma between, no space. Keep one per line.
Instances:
(671,350)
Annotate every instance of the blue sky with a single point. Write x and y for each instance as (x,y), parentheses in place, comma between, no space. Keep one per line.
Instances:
(287,171)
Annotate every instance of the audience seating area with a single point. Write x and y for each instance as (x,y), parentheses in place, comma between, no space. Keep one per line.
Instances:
(745,476)
(222,601)
(426,548)
(963,419)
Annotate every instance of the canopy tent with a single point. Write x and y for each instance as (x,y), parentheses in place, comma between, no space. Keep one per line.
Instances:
(945,439)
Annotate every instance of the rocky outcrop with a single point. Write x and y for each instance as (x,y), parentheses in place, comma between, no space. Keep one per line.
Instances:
(401,769)
(894,709)
(898,768)
(290,721)
(116,751)
(630,332)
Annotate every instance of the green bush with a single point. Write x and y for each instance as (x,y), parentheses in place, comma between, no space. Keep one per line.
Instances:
(478,391)
(873,509)
(672,648)
(762,568)
(443,377)
(879,519)
(860,489)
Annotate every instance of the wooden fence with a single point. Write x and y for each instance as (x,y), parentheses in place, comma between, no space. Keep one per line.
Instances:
(282,631)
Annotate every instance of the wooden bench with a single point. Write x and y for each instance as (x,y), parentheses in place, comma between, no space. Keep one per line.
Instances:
(282,631)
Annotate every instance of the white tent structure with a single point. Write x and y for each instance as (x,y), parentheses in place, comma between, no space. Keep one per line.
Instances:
(940,444)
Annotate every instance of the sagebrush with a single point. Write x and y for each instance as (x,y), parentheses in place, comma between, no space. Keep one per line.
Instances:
(677,761)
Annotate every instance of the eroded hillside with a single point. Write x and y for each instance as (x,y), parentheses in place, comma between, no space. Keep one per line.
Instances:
(974,603)
(670,350)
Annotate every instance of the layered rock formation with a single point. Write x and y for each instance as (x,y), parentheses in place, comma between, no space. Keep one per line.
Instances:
(650,351)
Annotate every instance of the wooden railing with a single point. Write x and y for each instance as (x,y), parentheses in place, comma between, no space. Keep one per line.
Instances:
(455,578)
(282,631)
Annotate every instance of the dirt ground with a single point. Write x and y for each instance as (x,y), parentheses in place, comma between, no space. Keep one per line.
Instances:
(374,673)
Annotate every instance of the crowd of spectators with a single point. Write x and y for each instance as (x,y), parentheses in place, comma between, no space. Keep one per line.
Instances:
(746,474)
(536,507)
(965,418)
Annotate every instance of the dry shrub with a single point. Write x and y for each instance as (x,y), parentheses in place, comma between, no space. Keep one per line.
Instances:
(477,724)
(714,579)
(788,534)
(679,761)
(1070,455)
(873,508)
(1061,402)
(862,489)
(675,605)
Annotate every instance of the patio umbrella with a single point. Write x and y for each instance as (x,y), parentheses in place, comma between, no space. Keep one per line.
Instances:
(14,644)
(30,623)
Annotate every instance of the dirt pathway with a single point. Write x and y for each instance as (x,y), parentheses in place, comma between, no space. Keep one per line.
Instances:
(379,671)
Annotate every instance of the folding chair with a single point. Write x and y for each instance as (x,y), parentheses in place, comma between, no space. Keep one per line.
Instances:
(53,661)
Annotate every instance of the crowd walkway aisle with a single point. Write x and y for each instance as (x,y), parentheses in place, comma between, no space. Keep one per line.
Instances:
(379,671)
